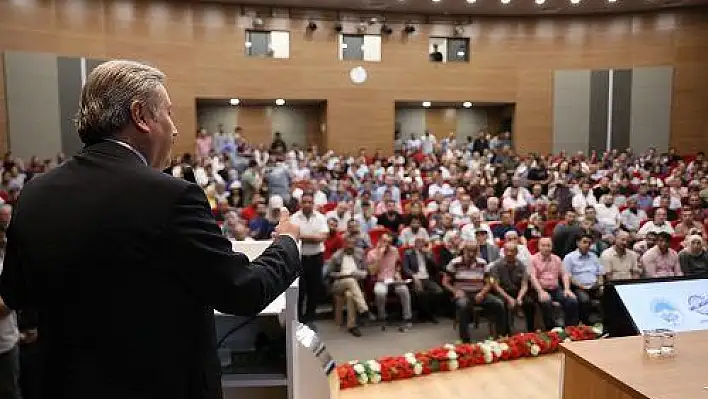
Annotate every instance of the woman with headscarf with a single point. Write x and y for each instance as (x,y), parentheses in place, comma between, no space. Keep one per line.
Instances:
(694,258)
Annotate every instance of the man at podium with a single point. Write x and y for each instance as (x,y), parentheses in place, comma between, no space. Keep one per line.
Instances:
(125,264)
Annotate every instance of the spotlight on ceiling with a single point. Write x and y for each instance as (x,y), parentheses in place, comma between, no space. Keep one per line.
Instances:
(280,101)
(436,1)
(575,1)
(409,29)
(467,104)
(611,1)
(471,1)
(362,27)
(505,1)
(539,2)
(386,30)
(459,30)
(234,101)
(338,27)
(426,104)
(257,22)
(312,26)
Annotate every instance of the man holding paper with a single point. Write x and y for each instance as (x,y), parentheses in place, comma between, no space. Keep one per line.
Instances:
(125,264)
(384,264)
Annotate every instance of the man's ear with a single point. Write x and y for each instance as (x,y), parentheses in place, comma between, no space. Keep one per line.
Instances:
(138,115)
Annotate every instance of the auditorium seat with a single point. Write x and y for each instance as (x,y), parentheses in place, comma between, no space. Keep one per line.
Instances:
(676,241)
(375,234)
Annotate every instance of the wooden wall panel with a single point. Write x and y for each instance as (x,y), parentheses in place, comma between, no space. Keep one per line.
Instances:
(441,121)
(200,47)
(256,125)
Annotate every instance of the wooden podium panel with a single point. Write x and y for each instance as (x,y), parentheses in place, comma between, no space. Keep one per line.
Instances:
(617,369)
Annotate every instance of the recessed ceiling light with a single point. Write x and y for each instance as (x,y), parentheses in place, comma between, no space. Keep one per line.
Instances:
(280,101)
(471,1)
(611,1)
(436,1)
(467,104)
(234,101)
(575,1)
(506,1)
(426,104)
(539,2)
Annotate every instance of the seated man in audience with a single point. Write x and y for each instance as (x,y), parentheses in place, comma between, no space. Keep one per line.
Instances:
(688,223)
(383,264)
(475,224)
(608,214)
(694,259)
(362,240)
(366,219)
(346,268)
(661,260)
(452,247)
(261,228)
(487,251)
(632,217)
(544,275)
(465,279)
(341,214)
(522,252)
(510,281)
(411,233)
(640,247)
(506,225)
(620,262)
(658,225)
(493,212)
(391,219)
(464,211)
(585,272)
(333,242)
(419,264)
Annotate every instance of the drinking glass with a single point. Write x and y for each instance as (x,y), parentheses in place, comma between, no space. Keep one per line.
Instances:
(652,343)
(668,338)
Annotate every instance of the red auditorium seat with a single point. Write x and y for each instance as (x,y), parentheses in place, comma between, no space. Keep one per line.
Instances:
(643,222)
(675,223)
(330,206)
(676,241)
(521,226)
(436,252)
(532,245)
(550,226)
(375,234)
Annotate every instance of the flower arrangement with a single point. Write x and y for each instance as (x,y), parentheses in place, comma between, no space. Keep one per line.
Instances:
(451,357)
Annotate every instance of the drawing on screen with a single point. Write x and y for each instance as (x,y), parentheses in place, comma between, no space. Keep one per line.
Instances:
(666,311)
(698,304)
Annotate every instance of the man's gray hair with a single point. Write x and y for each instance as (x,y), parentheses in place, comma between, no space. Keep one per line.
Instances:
(109,92)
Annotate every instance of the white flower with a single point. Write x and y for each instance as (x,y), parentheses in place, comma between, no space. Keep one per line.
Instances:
(362,378)
(535,350)
(452,355)
(453,365)
(376,378)
(353,362)
(567,339)
(359,368)
(418,369)
(495,348)
(449,346)
(488,357)
(374,365)
(557,330)
(597,329)
(504,347)
(410,358)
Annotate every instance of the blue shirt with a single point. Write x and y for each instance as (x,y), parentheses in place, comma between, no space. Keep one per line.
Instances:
(583,268)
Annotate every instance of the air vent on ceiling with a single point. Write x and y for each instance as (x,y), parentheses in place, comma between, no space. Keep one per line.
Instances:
(550,10)
(672,2)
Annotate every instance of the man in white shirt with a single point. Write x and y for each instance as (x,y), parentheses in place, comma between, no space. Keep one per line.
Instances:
(658,225)
(464,213)
(583,198)
(313,232)
(608,214)
(341,214)
(523,254)
(440,187)
(427,143)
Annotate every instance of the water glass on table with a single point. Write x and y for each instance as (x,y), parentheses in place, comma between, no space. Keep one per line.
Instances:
(659,343)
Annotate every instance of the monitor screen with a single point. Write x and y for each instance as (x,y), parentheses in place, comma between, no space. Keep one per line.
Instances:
(680,305)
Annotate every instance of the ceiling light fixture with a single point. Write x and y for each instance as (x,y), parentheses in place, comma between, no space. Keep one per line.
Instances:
(436,1)
(539,2)
(426,104)
(338,27)
(471,1)
(280,101)
(505,1)
(312,25)
(611,1)
(234,101)
(574,1)
(386,30)
(409,29)
(467,104)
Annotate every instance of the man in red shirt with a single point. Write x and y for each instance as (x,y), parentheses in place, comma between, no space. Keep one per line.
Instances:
(334,241)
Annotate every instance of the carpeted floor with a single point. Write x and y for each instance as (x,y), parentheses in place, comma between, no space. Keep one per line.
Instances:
(376,343)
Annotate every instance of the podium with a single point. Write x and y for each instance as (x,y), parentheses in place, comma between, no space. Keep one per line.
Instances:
(273,355)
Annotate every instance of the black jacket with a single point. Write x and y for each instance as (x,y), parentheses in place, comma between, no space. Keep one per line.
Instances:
(124,266)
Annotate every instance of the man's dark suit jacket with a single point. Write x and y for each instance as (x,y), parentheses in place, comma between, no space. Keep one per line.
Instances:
(124,265)
(411,267)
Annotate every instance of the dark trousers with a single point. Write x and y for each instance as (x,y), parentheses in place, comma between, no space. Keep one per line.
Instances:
(10,374)
(528,306)
(30,371)
(427,296)
(494,309)
(585,298)
(311,287)
(569,305)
